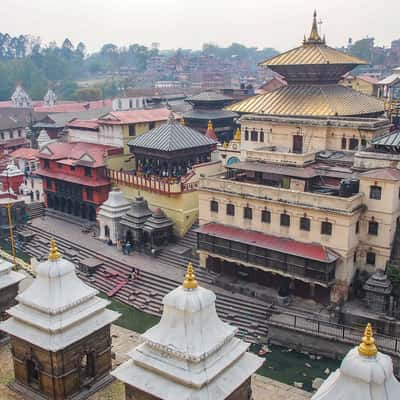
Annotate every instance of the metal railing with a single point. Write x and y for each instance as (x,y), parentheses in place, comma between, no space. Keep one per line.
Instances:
(389,344)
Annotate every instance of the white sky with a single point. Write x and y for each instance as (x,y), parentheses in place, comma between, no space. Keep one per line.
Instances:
(190,23)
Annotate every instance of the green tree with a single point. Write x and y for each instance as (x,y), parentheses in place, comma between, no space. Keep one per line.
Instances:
(88,94)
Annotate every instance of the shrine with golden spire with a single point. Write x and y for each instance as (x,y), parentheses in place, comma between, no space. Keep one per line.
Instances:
(312,71)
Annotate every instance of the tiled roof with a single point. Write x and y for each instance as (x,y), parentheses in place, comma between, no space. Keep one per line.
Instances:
(13,118)
(312,251)
(74,107)
(209,96)
(171,136)
(60,151)
(81,180)
(313,54)
(25,153)
(388,174)
(84,124)
(310,100)
(209,114)
(136,116)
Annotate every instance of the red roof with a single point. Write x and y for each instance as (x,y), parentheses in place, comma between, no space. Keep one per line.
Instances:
(84,124)
(136,116)
(74,106)
(77,150)
(25,153)
(312,251)
(388,174)
(368,78)
(81,180)
(14,142)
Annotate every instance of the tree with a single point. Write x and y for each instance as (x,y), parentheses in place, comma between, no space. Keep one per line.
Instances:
(88,94)
(363,49)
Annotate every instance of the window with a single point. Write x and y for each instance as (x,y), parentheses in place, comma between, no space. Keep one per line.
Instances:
(19,133)
(373,228)
(305,224)
(266,216)
(247,213)
(246,134)
(48,182)
(132,130)
(375,192)
(130,103)
(88,171)
(357,227)
(230,209)
(214,206)
(344,143)
(47,163)
(326,228)
(285,219)
(261,135)
(371,258)
(353,144)
(89,193)
(363,142)
(11,135)
(254,135)
(152,125)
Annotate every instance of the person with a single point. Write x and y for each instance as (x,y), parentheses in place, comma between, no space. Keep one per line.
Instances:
(128,248)
(109,242)
(132,274)
(124,248)
(137,273)
(31,195)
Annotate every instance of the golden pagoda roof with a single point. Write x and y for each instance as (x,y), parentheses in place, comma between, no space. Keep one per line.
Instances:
(314,51)
(310,100)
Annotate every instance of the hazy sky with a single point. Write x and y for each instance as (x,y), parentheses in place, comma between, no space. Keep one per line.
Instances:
(190,23)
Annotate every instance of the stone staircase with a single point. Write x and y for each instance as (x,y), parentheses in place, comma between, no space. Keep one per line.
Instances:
(146,293)
(72,219)
(35,209)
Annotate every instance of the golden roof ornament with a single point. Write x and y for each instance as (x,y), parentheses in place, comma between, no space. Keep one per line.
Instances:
(190,281)
(54,255)
(314,35)
(183,122)
(210,125)
(237,135)
(367,347)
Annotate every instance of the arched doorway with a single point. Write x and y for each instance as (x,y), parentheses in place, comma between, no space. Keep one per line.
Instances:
(87,367)
(33,372)
(107,231)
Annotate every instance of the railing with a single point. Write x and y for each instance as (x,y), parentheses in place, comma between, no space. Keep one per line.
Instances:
(344,205)
(152,183)
(389,344)
(294,159)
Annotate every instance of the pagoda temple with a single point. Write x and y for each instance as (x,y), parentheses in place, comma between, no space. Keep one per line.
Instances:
(209,106)
(190,353)
(60,335)
(313,72)
(365,373)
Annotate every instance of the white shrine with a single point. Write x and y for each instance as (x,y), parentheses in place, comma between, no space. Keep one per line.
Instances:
(110,213)
(50,98)
(365,374)
(43,139)
(190,354)
(20,98)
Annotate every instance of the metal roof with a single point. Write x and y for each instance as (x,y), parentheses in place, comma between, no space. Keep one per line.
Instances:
(311,100)
(209,96)
(392,139)
(209,114)
(171,136)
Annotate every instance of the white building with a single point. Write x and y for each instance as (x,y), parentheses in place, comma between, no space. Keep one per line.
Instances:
(364,374)
(129,103)
(190,354)
(20,98)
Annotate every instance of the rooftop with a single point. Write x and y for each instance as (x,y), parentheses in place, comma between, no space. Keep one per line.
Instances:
(136,116)
(387,174)
(25,153)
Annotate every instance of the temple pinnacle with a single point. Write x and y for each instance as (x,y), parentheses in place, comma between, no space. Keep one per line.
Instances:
(190,281)
(237,135)
(210,125)
(54,255)
(367,347)
(314,35)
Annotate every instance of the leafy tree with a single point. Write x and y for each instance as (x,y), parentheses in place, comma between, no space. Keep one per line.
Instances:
(88,94)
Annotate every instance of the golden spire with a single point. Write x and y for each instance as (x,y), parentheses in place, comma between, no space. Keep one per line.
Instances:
(367,347)
(210,125)
(190,278)
(54,255)
(237,135)
(183,122)
(314,35)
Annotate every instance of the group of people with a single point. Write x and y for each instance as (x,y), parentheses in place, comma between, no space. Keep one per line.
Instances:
(134,274)
(126,247)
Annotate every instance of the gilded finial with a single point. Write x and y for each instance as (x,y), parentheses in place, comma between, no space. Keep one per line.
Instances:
(210,125)
(314,35)
(367,347)
(183,122)
(190,281)
(237,135)
(54,255)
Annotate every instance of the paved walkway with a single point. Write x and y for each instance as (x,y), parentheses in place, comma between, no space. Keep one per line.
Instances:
(124,340)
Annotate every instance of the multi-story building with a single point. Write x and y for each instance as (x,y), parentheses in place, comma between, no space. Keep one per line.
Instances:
(74,176)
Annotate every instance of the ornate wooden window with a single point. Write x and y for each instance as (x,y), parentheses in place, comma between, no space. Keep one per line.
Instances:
(33,372)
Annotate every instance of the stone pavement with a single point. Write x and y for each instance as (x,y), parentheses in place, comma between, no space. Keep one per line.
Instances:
(125,340)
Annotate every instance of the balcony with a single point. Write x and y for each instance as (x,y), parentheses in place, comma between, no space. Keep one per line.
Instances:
(292,159)
(341,205)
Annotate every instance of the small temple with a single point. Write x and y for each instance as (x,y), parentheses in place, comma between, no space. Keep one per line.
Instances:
(209,106)
(20,98)
(365,373)
(313,72)
(60,334)
(190,353)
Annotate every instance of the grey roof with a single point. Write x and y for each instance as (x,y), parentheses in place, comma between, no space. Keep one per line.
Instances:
(13,118)
(209,96)
(392,139)
(157,221)
(171,136)
(137,215)
(210,114)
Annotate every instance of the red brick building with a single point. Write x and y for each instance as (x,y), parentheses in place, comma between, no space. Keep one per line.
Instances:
(74,177)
